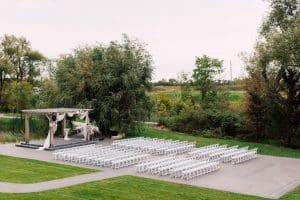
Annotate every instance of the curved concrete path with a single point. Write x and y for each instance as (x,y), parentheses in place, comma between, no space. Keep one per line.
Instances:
(54,184)
(266,176)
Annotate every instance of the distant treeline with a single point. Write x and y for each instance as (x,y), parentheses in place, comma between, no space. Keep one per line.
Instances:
(236,84)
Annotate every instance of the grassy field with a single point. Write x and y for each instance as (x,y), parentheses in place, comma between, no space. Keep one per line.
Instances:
(130,187)
(262,148)
(173,92)
(19,170)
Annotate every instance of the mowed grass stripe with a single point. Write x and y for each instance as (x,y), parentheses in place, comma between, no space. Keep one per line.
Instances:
(21,170)
(130,187)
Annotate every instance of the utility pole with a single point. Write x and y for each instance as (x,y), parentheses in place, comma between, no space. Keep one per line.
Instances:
(230,71)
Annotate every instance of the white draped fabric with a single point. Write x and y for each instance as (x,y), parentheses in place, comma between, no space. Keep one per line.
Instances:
(53,127)
(59,117)
(84,115)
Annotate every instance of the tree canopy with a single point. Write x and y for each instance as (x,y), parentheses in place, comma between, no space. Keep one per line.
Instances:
(18,62)
(110,79)
(204,73)
(274,69)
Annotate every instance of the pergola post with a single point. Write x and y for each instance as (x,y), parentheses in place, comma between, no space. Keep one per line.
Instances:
(27,128)
(64,125)
(51,135)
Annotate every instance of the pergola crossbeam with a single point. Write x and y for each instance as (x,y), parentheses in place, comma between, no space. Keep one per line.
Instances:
(48,111)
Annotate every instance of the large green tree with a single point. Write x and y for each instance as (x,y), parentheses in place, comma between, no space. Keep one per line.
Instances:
(204,73)
(110,79)
(18,96)
(274,69)
(20,54)
(6,70)
(18,62)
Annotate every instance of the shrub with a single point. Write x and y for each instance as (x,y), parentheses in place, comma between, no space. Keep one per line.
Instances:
(226,120)
(209,133)
(207,123)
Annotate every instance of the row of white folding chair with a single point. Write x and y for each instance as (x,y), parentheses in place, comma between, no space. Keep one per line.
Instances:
(60,151)
(217,155)
(163,171)
(179,150)
(163,149)
(95,156)
(155,140)
(129,161)
(143,167)
(149,144)
(208,149)
(68,155)
(134,140)
(168,149)
(77,148)
(78,154)
(206,153)
(128,139)
(204,147)
(249,155)
(177,172)
(83,156)
(154,169)
(201,170)
(108,160)
(227,157)
(196,150)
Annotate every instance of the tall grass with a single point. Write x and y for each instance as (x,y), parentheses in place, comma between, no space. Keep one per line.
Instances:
(12,129)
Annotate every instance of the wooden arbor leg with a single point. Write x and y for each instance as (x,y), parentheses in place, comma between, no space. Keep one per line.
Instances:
(27,128)
(64,125)
(51,136)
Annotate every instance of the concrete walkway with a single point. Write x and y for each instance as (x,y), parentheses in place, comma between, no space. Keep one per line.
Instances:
(267,176)
(55,184)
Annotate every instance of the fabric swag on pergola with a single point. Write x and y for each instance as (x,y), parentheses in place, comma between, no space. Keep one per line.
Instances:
(54,116)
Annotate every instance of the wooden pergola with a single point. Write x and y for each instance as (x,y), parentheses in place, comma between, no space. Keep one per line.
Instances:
(49,111)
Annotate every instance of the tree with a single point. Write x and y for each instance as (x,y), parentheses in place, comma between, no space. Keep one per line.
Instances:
(172,81)
(282,15)
(33,59)
(275,68)
(6,70)
(18,62)
(46,96)
(204,73)
(18,96)
(110,79)
(20,54)
(184,81)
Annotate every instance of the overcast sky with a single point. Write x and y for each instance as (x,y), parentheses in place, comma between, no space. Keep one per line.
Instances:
(175,30)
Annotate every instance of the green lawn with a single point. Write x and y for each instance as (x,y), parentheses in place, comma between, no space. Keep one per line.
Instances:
(262,148)
(293,195)
(20,170)
(129,187)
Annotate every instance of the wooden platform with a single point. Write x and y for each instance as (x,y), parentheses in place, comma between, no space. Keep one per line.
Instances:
(60,144)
